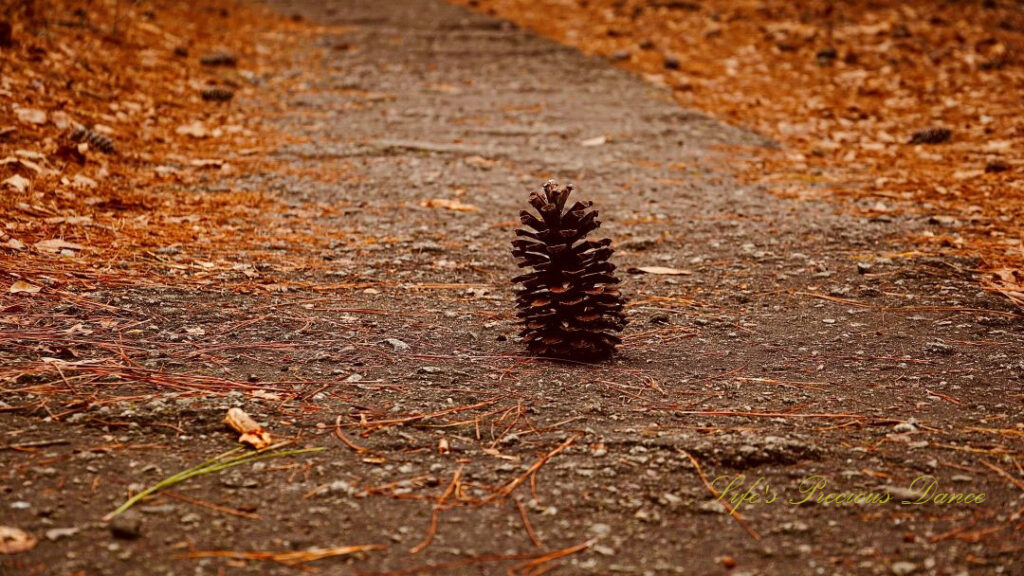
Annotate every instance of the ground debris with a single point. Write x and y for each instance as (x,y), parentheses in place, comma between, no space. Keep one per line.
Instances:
(931,136)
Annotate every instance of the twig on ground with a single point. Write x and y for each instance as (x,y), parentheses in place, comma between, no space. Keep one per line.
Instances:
(526,524)
(436,513)
(507,489)
(341,436)
(529,567)
(210,505)
(732,510)
(36,444)
(286,558)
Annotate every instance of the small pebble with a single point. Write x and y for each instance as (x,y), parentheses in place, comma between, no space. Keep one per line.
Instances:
(903,568)
(127,526)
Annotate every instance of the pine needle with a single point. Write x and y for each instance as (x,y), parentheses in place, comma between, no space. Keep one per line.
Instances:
(220,462)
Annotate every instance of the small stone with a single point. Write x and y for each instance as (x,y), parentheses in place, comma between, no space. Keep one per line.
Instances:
(711,507)
(600,530)
(671,62)
(940,348)
(340,487)
(903,568)
(904,428)
(794,527)
(127,526)
(863,268)
(397,344)
(55,534)
(239,480)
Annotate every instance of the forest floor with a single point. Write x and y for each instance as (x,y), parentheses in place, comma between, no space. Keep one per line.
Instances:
(330,252)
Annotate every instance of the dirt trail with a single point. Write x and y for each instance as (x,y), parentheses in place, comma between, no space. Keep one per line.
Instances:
(799,344)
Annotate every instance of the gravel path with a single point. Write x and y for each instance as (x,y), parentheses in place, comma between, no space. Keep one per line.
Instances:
(801,342)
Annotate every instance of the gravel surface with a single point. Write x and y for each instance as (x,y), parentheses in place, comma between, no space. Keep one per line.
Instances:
(802,348)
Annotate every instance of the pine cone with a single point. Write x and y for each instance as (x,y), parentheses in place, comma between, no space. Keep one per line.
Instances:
(569,304)
(101,142)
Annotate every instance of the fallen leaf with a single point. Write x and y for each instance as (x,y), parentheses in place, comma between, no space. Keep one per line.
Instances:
(494,452)
(207,163)
(251,433)
(55,245)
(195,130)
(22,162)
(661,270)
(13,540)
(481,162)
(22,287)
(78,329)
(30,115)
(17,183)
(450,205)
(80,181)
(266,395)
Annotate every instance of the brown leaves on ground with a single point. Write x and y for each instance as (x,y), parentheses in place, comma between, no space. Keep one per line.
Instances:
(108,131)
(913,103)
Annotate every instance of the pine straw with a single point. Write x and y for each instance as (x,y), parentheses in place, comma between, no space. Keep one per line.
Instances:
(286,558)
(142,222)
(845,126)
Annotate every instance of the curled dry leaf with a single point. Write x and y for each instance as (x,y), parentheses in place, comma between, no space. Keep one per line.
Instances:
(21,286)
(1009,282)
(662,270)
(251,433)
(14,540)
